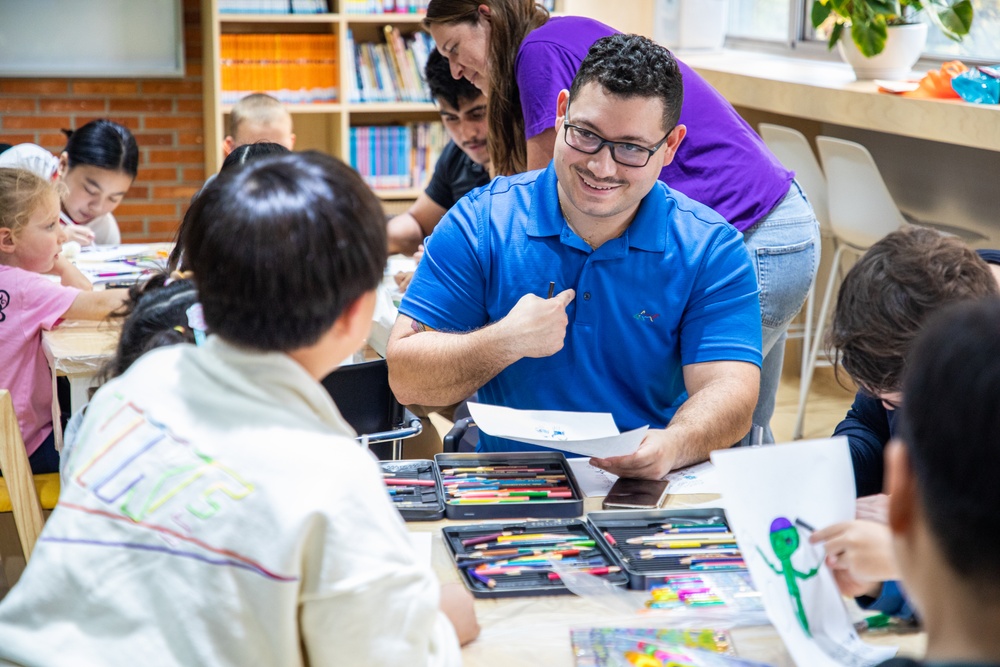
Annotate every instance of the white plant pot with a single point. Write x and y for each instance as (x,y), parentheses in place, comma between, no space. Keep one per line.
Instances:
(903,47)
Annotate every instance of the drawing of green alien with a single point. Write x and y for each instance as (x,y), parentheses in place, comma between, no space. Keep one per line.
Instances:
(784,542)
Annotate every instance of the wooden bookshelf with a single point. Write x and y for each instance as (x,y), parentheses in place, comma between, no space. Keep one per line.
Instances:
(321,126)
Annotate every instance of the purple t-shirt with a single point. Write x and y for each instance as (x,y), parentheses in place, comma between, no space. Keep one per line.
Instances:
(721,162)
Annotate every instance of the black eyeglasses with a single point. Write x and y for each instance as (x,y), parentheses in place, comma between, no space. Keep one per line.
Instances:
(622,152)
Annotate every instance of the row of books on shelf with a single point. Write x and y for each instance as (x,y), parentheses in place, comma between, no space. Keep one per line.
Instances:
(294,68)
(396,156)
(273,7)
(383,6)
(324,7)
(392,71)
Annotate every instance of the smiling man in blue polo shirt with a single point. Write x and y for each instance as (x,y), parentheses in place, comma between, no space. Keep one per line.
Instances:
(655,316)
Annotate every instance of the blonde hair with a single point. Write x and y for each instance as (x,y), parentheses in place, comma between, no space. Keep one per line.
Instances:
(21,193)
(256,108)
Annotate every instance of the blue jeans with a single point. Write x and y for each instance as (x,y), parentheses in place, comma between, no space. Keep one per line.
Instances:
(785,247)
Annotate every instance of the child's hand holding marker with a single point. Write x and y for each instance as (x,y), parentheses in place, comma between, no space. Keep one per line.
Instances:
(859,553)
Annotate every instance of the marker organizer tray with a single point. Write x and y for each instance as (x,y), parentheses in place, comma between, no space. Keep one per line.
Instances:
(416,502)
(652,562)
(486,554)
(509,485)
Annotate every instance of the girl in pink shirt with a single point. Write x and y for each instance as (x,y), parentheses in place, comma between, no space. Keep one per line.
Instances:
(31,239)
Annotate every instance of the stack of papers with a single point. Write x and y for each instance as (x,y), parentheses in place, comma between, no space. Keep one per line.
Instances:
(120,263)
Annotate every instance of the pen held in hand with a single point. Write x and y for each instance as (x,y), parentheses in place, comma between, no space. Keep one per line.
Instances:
(552,288)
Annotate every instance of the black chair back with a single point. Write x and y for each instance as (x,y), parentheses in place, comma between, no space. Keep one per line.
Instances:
(362,394)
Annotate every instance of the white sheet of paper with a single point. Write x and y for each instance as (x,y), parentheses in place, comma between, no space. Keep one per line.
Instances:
(769,489)
(108,253)
(399,263)
(94,268)
(586,433)
(699,478)
(593,481)
(382,320)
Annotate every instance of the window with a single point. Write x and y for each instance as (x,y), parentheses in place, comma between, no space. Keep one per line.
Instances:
(982,42)
(765,20)
(785,24)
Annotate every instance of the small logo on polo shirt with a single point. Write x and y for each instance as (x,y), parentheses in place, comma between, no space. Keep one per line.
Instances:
(645,317)
(4,301)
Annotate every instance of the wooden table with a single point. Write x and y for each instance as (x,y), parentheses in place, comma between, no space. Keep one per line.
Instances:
(77,350)
(535,630)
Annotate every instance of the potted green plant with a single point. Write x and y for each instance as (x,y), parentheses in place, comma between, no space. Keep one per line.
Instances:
(875,26)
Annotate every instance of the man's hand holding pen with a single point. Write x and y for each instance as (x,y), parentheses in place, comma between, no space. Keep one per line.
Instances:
(539,325)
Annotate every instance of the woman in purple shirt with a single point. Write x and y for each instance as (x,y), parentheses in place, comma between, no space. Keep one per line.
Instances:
(521,58)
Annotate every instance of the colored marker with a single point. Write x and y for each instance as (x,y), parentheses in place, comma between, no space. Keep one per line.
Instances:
(683,537)
(697,529)
(872,622)
(803,524)
(409,482)
(604,569)
(701,567)
(482,539)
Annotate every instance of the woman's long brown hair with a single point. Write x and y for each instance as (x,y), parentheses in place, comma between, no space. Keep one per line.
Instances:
(510,23)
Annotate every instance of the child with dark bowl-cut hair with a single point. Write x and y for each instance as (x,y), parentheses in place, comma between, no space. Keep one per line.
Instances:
(218,510)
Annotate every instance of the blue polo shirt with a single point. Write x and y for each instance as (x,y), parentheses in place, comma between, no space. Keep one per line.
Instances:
(676,288)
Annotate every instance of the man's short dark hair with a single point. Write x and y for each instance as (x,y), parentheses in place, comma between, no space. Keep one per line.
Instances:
(633,66)
(445,88)
(949,423)
(280,247)
(888,295)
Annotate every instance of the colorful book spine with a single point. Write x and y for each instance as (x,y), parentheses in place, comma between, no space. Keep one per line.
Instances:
(392,157)
(273,7)
(393,71)
(294,68)
(383,6)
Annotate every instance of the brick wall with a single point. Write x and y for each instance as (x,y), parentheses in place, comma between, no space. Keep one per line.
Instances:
(164,114)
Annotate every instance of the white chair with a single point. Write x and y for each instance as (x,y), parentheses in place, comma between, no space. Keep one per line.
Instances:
(869,190)
(793,151)
(861,211)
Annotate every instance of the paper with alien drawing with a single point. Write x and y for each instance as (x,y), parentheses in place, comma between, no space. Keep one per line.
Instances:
(773,496)
(586,433)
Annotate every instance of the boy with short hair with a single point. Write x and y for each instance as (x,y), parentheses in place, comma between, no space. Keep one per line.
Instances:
(941,476)
(258,117)
(882,305)
(217,509)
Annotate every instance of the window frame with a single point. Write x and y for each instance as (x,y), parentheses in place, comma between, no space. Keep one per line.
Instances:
(801,42)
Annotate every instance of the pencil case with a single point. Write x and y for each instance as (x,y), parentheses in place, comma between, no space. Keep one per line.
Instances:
(687,546)
(422,501)
(486,556)
(506,485)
